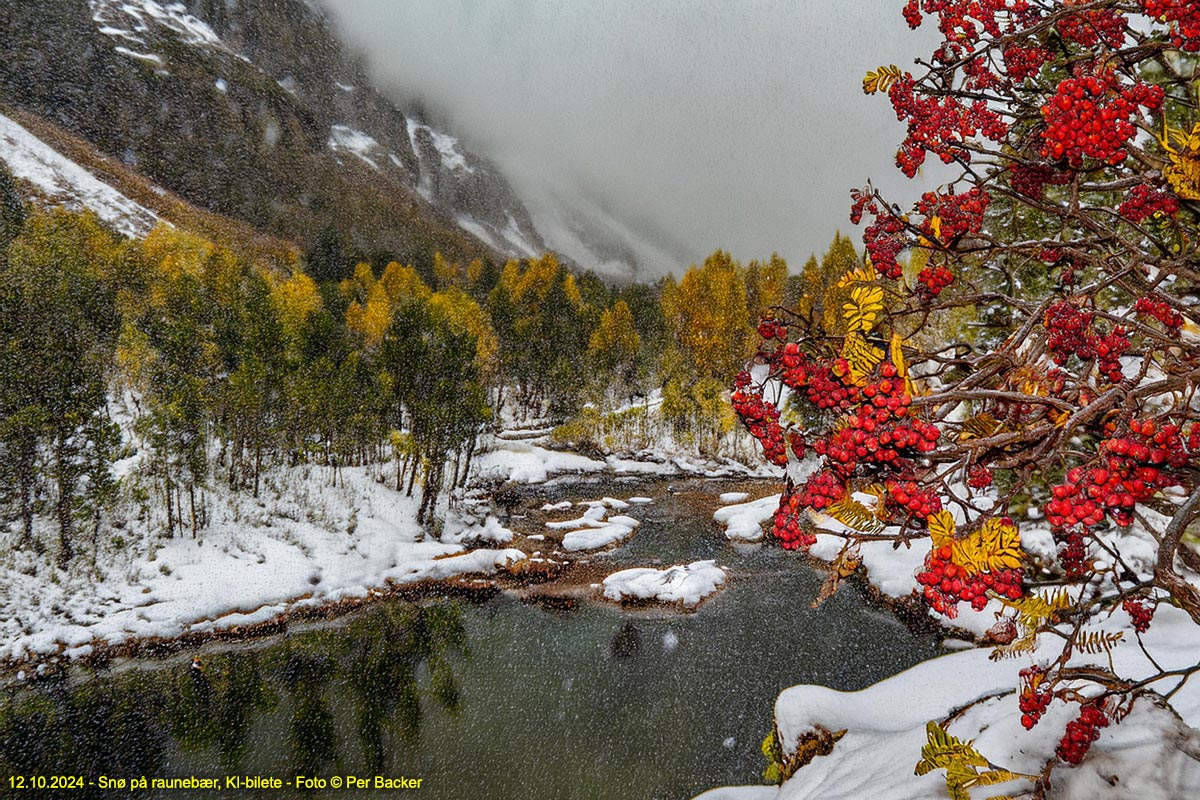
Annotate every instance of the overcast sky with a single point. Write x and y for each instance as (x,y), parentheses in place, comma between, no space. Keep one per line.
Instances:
(740,125)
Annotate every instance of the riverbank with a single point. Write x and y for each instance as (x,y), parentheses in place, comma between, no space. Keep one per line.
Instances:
(550,702)
(311,540)
(841,746)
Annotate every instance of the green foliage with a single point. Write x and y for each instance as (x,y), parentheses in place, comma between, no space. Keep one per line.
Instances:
(12,209)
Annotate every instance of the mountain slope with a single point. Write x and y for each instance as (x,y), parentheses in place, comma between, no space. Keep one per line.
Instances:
(254,111)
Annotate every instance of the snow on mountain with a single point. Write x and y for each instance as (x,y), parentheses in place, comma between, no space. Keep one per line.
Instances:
(447,146)
(62,181)
(132,19)
(343,137)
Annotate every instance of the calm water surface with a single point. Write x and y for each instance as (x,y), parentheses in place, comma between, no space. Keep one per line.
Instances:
(496,700)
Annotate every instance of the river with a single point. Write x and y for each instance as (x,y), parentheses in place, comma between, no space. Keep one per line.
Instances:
(497,699)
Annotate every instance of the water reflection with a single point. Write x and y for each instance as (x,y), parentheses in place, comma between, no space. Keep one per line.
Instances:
(153,722)
(593,703)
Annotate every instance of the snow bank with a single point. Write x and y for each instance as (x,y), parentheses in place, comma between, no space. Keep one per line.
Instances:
(885,728)
(303,543)
(592,531)
(63,181)
(744,521)
(733,497)
(593,538)
(1151,753)
(523,462)
(446,145)
(684,583)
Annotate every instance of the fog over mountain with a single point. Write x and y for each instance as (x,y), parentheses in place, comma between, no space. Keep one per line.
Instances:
(658,130)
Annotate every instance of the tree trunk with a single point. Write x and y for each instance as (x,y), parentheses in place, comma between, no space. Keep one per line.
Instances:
(412,476)
(170,512)
(470,454)
(66,496)
(192,502)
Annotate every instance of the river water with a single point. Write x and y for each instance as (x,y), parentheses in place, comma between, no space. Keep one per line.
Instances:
(495,700)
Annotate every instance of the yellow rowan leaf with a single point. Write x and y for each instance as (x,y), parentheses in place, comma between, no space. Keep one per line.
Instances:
(1183,173)
(935,227)
(861,357)
(881,79)
(879,492)
(969,555)
(980,426)
(862,311)
(941,528)
(1000,545)
(858,275)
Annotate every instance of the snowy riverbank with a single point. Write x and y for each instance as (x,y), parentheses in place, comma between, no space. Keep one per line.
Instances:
(876,734)
(308,540)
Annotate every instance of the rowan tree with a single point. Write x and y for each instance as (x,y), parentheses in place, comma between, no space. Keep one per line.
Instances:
(1072,228)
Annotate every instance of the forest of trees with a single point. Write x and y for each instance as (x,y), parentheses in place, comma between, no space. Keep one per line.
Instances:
(235,363)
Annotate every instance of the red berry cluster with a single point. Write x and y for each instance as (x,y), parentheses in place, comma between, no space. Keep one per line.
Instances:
(1082,732)
(956,213)
(1033,703)
(939,125)
(919,502)
(1129,471)
(961,20)
(770,329)
(979,477)
(933,279)
(884,237)
(1089,27)
(1090,116)
(1184,18)
(1161,310)
(946,583)
(822,490)
(1031,180)
(795,441)
(762,420)
(825,390)
(1070,332)
(1072,552)
(1109,350)
(1139,613)
(1144,202)
(1023,62)
(787,529)
(880,430)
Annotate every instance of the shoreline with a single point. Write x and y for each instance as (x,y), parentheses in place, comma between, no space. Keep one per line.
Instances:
(499,560)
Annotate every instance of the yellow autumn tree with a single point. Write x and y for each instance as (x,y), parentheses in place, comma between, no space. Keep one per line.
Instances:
(765,283)
(402,284)
(294,299)
(709,317)
(614,345)
(370,311)
(466,316)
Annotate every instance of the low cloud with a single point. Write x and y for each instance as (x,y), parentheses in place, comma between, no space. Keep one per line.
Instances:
(695,125)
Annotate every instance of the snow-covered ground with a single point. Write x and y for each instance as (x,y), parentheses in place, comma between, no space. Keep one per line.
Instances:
(531,461)
(685,584)
(1149,754)
(64,182)
(303,542)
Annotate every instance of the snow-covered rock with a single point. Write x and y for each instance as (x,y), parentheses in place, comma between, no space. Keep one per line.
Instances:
(744,521)
(687,584)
